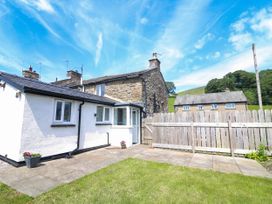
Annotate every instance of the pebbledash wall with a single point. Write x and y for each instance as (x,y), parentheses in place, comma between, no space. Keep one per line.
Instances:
(26,125)
(142,89)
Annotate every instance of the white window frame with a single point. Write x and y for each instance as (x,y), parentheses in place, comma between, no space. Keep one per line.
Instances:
(99,87)
(62,111)
(214,106)
(104,115)
(128,118)
(186,107)
(200,107)
(230,106)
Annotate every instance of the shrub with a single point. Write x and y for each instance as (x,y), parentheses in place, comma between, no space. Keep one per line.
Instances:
(260,154)
(29,154)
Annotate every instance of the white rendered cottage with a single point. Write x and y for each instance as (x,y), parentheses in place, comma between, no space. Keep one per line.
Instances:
(52,120)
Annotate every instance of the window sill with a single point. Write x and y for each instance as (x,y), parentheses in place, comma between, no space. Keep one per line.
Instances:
(63,125)
(103,123)
(121,127)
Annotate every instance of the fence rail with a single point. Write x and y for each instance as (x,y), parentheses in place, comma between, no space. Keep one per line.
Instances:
(235,132)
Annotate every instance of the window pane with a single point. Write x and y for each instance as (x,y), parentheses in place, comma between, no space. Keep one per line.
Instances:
(98,90)
(102,89)
(107,114)
(58,110)
(67,112)
(120,116)
(99,114)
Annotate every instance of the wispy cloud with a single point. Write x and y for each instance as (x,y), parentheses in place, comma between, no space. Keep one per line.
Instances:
(174,38)
(143,21)
(202,41)
(254,26)
(242,61)
(41,5)
(99,46)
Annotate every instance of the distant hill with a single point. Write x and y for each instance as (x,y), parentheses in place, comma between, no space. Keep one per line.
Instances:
(195,91)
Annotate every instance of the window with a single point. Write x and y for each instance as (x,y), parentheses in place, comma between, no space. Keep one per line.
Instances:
(107,114)
(120,116)
(99,114)
(214,106)
(230,106)
(63,111)
(100,89)
(102,114)
(200,107)
(186,107)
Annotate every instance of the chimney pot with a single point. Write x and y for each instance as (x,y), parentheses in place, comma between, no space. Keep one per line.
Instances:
(74,75)
(154,62)
(29,73)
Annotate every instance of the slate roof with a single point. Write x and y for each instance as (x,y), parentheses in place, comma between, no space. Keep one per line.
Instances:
(37,87)
(222,97)
(104,79)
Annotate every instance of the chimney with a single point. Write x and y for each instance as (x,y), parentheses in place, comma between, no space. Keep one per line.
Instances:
(30,73)
(154,62)
(74,75)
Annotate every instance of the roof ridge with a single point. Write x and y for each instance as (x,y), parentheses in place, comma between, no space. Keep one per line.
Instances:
(120,75)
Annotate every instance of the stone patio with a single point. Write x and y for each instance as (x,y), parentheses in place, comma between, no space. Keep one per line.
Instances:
(50,174)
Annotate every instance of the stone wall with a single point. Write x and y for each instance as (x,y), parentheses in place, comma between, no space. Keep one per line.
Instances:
(149,88)
(129,90)
(221,107)
(155,94)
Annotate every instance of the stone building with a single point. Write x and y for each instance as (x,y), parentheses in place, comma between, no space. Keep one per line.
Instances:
(223,101)
(146,87)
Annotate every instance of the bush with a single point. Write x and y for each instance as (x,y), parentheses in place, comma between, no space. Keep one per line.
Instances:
(259,155)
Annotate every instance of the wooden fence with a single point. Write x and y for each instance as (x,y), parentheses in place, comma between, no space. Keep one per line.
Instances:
(235,132)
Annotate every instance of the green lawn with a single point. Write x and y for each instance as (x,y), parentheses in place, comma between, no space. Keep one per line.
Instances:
(137,181)
(10,196)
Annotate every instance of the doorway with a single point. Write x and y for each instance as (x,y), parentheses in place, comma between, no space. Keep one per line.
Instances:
(135,126)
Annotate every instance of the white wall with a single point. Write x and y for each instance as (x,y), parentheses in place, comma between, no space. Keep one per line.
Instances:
(119,134)
(11,119)
(91,134)
(37,134)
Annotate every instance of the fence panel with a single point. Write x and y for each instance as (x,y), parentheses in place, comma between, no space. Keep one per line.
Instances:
(241,131)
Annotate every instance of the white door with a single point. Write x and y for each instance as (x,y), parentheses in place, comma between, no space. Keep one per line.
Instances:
(136,127)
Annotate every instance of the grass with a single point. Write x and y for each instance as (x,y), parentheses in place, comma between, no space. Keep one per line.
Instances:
(256,107)
(171,101)
(8,195)
(195,91)
(137,181)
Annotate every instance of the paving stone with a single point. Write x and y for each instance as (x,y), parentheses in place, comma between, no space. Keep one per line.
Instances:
(56,172)
(202,161)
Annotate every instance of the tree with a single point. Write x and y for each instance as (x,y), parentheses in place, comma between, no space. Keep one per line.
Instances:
(246,82)
(171,87)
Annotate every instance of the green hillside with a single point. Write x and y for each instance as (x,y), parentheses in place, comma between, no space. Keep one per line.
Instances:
(195,91)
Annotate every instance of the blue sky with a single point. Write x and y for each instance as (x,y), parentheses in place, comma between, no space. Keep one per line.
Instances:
(197,40)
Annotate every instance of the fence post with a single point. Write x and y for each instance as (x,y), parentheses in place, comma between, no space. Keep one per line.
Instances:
(193,138)
(231,139)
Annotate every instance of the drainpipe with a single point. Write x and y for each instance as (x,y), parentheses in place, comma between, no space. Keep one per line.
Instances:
(79,127)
